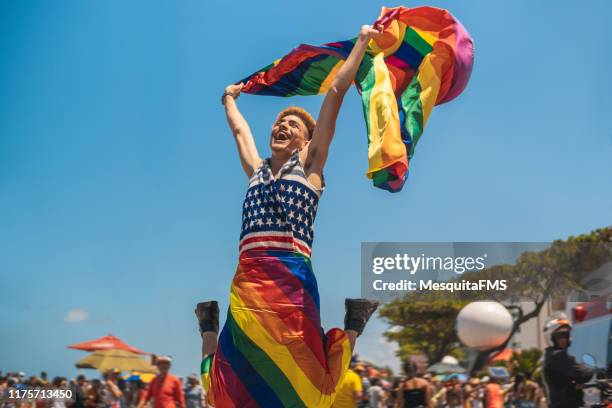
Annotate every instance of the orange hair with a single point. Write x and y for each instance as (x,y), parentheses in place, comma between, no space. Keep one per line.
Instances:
(303,115)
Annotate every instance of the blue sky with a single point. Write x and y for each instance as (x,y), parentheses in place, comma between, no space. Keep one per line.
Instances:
(121,192)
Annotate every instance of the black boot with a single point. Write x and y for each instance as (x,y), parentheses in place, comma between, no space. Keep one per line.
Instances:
(358,312)
(208,316)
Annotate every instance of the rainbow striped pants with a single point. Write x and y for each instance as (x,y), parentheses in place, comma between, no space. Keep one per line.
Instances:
(272,350)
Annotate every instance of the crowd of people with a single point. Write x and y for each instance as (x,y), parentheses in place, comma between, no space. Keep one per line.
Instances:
(367,387)
(364,387)
(110,391)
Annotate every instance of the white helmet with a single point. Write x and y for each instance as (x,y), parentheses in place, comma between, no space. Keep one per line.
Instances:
(554,325)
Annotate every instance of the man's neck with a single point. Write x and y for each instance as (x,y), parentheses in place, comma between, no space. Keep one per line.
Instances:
(277,161)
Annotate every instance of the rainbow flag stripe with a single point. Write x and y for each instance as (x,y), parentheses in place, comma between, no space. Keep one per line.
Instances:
(272,350)
(424,58)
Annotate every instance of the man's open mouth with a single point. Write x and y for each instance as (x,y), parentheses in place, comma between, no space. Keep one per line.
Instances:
(281,136)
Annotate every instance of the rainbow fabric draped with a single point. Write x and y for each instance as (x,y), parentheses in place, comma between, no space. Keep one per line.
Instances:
(423,58)
(272,351)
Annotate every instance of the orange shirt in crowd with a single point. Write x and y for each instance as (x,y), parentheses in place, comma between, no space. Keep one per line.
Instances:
(166,392)
(495,398)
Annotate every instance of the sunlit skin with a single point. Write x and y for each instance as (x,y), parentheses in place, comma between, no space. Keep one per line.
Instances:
(163,367)
(288,134)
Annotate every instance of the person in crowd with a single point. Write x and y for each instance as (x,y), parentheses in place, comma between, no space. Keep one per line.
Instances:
(414,392)
(125,392)
(438,389)
(80,391)
(59,383)
(523,393)
(37,383)
(466,389)
(165,390)
(363,370)
(136,387)
(195,397)
(110,393)
(394,392)
(494,394)
(11,383)
(474,394)
(563,375)
(128,388)
(94,399)
(350,392)
(384,380)
(20,381)
(430,382)
(376,394)
(541,401)
(454,392)
(3,385)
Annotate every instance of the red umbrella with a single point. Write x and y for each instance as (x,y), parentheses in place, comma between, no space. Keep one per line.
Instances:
(108,342)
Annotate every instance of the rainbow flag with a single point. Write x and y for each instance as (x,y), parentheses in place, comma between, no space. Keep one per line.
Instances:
(272,350)
(424,58)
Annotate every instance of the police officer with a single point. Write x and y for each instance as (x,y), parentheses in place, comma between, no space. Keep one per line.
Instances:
(563,376)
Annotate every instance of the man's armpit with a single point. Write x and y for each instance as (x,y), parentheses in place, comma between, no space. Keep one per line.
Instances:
(310,158)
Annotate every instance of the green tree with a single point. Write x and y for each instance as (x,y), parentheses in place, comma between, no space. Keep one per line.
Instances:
(423,327)
(527,361)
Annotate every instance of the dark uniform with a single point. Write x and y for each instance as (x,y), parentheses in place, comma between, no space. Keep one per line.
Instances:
(562,373)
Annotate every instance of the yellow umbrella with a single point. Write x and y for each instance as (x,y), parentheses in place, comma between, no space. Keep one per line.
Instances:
(122,360)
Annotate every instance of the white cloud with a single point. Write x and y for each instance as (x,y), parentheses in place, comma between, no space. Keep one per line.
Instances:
(76,316)
(383,341)
(374,347)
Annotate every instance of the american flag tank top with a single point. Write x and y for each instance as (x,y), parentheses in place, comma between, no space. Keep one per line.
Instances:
(278,213)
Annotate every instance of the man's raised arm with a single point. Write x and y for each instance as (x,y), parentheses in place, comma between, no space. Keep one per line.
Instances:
(249,157)
(326,122)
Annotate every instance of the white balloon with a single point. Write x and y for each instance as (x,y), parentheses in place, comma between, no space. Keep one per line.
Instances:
(484,325)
